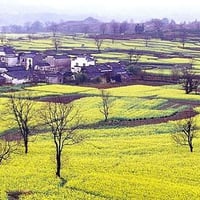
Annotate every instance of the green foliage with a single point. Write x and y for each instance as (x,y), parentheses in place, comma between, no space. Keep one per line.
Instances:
(81,78)
(134,70)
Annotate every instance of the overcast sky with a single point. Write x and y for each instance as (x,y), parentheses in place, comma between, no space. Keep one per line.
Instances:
(138,10)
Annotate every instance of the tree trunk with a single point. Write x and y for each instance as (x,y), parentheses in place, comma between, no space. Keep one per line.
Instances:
(58,164)
(26,145)
(106,118)
(191,147)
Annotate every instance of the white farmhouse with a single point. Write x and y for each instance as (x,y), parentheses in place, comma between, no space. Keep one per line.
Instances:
(8,56)
(81,61)
(16,77)
(11,60)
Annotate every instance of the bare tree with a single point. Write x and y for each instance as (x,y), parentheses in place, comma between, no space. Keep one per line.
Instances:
(103,28)
(30,37)
(114,27)
(98,43)
(134,56)
(21,108)
(158,25)
(176,73)
(183,35)
(188,79)
(123,27)
(106,104)
(63,121)
(6,148)
(146,39)
(185,132)
(55,37)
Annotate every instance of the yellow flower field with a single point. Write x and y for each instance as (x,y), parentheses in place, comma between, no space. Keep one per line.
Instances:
(111,163)
(115,164)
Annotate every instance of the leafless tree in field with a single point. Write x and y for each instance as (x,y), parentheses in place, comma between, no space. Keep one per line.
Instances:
(183,35)
(188,79)
(176,73)
(134,56)
(30,37)
(114,26)
(103,28)
(98,43)
(185,132)
(22,109)
(123,27)
(105,104)
(56,40)
(6,148)
(146,39)
(63,121)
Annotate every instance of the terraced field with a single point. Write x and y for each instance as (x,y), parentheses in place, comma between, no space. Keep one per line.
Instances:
(112,52)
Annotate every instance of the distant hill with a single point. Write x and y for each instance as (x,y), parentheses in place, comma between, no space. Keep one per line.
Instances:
(20,19)
(88,25)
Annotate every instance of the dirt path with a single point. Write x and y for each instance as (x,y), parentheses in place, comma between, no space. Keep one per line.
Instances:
(139,122)
(61,99)
(14,136)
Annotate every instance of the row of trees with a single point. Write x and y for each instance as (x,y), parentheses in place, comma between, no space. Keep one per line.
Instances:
(187,77)
(62,120)
(91,25)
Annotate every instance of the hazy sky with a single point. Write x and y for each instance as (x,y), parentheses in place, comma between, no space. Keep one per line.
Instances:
(109,9)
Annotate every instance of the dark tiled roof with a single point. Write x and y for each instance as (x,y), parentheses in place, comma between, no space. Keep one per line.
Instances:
(53,74)
(103,68)
(68,74)
(15,68)
(7,49)
(92,72)
(43,64)
(62,56)
(119,70)
(19,74)
(100,69)
(29,55)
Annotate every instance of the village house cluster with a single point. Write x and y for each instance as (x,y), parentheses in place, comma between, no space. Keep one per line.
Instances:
(50,67)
